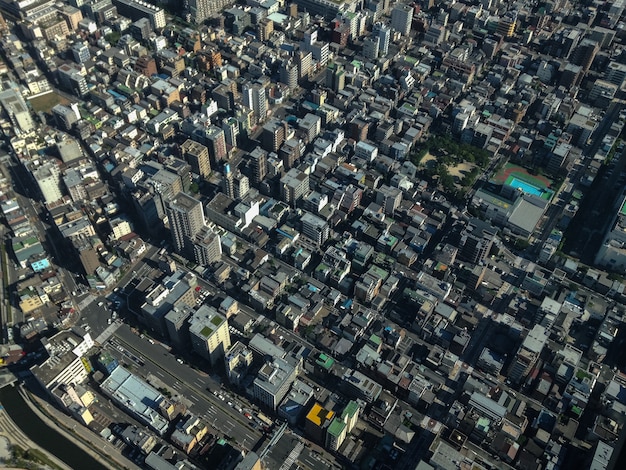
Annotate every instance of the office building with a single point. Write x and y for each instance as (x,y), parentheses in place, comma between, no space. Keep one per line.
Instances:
(186,219)
(209,334)
(273,382)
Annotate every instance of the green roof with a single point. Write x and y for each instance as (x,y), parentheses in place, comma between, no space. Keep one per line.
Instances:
(623,209)
(217,321)
(375,339)
(351,409)
(206,331)
(325,361)
(336,427)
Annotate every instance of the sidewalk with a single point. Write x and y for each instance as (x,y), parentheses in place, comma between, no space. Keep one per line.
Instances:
(100,449)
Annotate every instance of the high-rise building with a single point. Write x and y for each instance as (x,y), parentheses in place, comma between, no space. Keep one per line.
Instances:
(207,247)
(242,185)
(293,186)
(216,142)
(201,10)
(528,353)
(289,73)
(197,155)
(228,183)
(335,76)
(477,240)
(186,219)
(230,126)
(273,381)
(48,179)
(371,47)
(258,165)
(209,334)
(255,98)
(402,18)
(237,361)
(273,135)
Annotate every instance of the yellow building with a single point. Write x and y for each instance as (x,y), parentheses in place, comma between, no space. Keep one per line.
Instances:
(316,422)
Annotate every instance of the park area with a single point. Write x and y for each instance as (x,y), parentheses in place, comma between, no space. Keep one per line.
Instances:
(456,166)
(46,102)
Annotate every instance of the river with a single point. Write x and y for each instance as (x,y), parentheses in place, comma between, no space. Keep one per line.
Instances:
(46,437)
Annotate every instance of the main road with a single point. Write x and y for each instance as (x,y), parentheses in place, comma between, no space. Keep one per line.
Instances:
(194,386)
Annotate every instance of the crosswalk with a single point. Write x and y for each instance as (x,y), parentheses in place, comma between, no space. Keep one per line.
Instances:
(292,457)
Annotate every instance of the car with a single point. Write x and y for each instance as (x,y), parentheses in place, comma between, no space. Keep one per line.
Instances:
(100,304)
(180,361)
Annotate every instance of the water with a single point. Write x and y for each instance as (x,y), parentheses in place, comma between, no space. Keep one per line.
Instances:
(526,187)
(43,435)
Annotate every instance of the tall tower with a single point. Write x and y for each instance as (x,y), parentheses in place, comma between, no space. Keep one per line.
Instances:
(228,181)
(186,219)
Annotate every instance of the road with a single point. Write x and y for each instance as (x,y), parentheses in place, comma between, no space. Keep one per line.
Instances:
(191,384)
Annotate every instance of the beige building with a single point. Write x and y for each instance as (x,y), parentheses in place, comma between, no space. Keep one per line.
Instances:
(209,334)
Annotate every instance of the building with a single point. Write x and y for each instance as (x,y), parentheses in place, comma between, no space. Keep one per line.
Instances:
(402,18)
(476,241)
(67,362)
(254,96)
(207,247)
(314,228)
(209,334)
(216,143)
(197,155)
(383,32)
(48,179)
(273,382)
(237,360)
(258,165)
(15,107)
(293,186)
(317,421)
(371,47)
(336,434)
(136,9)
(137,397)
(186,219)
(528,354)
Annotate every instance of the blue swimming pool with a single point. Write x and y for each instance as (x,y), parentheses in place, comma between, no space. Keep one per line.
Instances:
(526,187)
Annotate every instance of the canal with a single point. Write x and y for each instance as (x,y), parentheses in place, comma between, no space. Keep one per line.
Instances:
(43,435)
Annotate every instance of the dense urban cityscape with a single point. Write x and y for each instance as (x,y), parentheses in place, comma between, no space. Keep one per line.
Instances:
(316,234)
